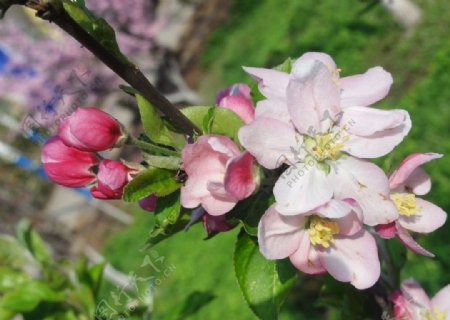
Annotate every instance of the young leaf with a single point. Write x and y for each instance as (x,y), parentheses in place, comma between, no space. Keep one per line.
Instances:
(33,242)
(97,27)
(171,163)
(167,211)
(154,126)
(161,182)
(13,254)
(286,66)
(264,283)
(224,122)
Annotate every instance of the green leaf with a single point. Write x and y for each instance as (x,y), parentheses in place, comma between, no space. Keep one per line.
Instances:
(208,120)
(167,210)
(169,231)
(97,27)
(33,242)
(286,66)
(264,283)
(9,279)
(250,211)
(190,306)
(171,163)
(13,254)
(225,122)
(27,296)
(161,182)
(154,126)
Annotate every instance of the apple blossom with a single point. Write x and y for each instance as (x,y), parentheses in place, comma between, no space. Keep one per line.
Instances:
(218,174)
(412,303)
(415,214)
(90,129)
(315,128)
(67,166)
(111,179)
(329,239)
(237,99)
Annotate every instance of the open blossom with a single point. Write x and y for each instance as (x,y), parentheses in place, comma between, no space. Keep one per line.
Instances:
(111,179)
(219,175)
(237,99)
(328,239)
(412,303)
(67,166)
(415,214)
(90,129)
(320,125)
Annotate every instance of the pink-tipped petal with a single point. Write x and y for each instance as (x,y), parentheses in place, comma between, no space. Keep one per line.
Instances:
(269,141)
(306,258)
(408,165)
(273,109)
(380,143)
(239,181)
(419,182)
(410,243)
(271,83)
(279,236)
(312,97)
(441,302)
(241,106)
(353,259)
(428,218)
(417,301)
(365,89)
(301,189)
(386,231)
(368,185)
(322,57)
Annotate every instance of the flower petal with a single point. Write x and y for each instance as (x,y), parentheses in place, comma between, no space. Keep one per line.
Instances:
(386,231)
(273,109)
(365,89)
(350,224)
(306,258)
(269,141)
(390,133)
(301,189)
(368,185)
(242,106)
(322,57)
(312,97)
(418,182)
(279,236)
(408,165)
(353,259)
(239,180)
(428,218)
(334,209)
(410,243)
(441,301)
(271,83)
(417,301)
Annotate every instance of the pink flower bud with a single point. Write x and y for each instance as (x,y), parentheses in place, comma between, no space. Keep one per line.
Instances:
(89,129)
(112,177)
(215,224)
(237,99)
(67,166)
(149,203)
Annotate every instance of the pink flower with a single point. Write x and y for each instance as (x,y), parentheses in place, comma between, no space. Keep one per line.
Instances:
(218,174)
(149,203)
(415,214)
(89,129)
(310,124)
(112,177)
(329,239)
(237,99)
(67,166)
(412,303)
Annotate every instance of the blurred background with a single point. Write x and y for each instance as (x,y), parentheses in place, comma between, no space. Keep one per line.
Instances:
(190,49)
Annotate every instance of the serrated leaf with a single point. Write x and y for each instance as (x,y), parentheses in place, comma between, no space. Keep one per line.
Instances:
(33,242)
(225,122)
(154,126)
(264,283)
(97,27)
(161,182)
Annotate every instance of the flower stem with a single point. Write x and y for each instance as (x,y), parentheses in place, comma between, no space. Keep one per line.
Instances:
(151,148)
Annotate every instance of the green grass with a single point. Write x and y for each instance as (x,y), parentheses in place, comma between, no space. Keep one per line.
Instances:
(263,33)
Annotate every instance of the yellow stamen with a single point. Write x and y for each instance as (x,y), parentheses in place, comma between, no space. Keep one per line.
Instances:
(327,146)
(405,203)
(322,230)
(436,314)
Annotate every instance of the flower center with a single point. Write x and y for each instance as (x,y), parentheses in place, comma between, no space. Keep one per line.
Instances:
(325,147)
(322,230)
(405,203)
(436,314)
